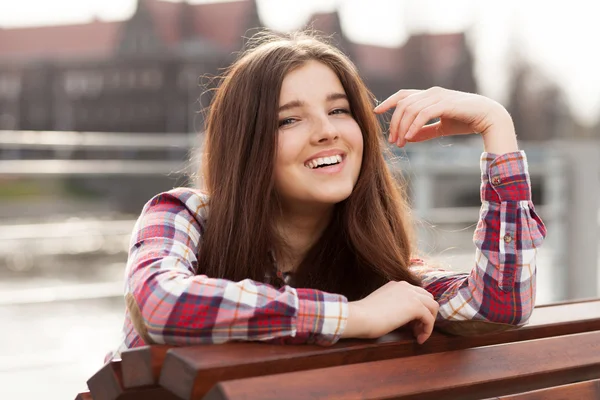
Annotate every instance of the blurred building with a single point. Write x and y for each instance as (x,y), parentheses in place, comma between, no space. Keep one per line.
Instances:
(538,106)
(147,74)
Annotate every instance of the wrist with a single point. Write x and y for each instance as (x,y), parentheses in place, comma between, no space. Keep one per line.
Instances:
(501,122)
(355,326)
(500,137)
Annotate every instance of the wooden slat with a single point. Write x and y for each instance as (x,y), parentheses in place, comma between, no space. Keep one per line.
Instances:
(151,393)
(467,374)
(107,384)
(555,316)
(568,302)
(586,390)
(190,372)
(141,366)
(137,394)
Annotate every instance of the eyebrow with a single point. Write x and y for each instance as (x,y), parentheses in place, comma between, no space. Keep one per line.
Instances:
(298,103)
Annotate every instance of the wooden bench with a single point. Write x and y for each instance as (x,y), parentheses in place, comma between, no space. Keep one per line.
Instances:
(580,390)
(475,373)
(218,371)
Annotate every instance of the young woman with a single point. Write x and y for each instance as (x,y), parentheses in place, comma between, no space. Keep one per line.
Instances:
(300,234)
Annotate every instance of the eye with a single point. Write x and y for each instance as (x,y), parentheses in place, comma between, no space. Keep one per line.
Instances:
(340,111)
(286,121)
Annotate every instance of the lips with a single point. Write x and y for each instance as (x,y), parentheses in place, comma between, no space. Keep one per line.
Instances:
(326,153)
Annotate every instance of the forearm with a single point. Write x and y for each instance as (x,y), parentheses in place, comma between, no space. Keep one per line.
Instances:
(501,286)
(203,310)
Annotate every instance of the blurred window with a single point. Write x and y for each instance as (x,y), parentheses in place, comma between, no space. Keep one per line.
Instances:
(151,78)
(131,79)
(83,83)
(37,113)
(10,86)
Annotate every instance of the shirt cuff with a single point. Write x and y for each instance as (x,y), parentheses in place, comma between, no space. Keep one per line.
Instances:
(505,177)
(322,316)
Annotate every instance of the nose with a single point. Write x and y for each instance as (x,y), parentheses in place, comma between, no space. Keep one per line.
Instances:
(325,131)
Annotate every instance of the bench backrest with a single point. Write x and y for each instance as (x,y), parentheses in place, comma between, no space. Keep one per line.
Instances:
(190,372)
(463,374)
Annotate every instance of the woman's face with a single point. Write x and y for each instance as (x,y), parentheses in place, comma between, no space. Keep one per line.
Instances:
(320,145)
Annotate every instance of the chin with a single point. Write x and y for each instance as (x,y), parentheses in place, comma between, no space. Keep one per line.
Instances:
(333,196)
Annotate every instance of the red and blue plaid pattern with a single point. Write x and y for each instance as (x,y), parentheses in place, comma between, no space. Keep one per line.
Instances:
(169,303)
(501,286)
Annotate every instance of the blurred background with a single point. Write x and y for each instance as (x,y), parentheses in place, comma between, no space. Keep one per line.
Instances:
(101,108)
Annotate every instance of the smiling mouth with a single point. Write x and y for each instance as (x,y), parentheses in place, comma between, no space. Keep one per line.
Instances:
(322,162)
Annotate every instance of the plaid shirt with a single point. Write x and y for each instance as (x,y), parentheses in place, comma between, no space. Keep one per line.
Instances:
(168,303)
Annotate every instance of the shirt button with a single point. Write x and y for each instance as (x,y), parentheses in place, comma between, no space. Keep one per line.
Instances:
(507,238)
(496,180)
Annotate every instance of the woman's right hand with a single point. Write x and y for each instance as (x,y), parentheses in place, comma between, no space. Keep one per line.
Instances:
(393,305)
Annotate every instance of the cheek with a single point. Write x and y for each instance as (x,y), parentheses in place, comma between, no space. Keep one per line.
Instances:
(288,153)
(356,140)
(359,141)
(288,150)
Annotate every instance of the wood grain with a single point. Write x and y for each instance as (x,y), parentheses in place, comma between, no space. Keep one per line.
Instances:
(467,374)
(107,384)
(190,372)
(587,390)
(141,366)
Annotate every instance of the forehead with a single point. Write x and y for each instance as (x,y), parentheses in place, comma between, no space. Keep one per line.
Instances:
(311,80)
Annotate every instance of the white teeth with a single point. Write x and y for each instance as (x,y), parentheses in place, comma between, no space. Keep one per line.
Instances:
(324,160)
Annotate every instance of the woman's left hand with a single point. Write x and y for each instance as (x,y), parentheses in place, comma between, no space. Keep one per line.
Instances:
(460,113)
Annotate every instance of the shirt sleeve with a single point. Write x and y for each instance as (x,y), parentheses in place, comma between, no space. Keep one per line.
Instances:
(500,288)
(176,306)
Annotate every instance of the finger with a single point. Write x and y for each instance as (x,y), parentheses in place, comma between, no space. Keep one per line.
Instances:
(425,327)
(421,290)
(412,112)
(422,338)
(417,328)
(401,107)
(430,304)
(427,114)
(394,99)
(420,332)
(394,122)
(427,132)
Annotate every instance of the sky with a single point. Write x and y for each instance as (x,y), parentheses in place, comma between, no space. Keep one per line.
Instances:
(558,36)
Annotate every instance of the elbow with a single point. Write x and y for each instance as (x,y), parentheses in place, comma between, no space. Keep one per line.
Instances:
(485,323)
(154,326)
(145,325)
(524,314)
(510,313)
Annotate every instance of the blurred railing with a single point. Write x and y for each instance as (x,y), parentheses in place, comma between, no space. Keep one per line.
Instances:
(76,153)
(59,141)
(568,172)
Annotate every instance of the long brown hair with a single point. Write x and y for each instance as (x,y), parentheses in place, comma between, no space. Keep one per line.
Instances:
(368,241)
